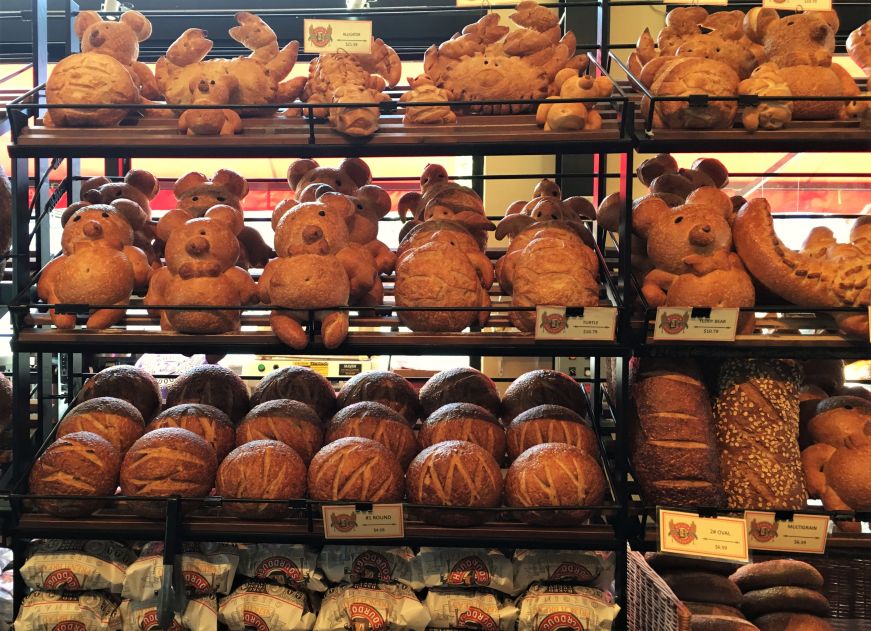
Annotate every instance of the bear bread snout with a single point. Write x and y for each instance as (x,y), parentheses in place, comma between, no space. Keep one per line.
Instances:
(97,38)
(312,234)
(701,235)
(197,246)
(92,229)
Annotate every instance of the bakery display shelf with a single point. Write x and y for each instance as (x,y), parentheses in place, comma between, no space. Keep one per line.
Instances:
(798,136)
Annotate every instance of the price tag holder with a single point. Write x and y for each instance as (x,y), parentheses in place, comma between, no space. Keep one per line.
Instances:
(803,533)
(719,538)
(798,5)
(695,324)
(334,36)
(384,521)
(594,324)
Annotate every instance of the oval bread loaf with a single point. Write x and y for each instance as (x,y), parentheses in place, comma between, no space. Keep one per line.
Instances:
(777,572)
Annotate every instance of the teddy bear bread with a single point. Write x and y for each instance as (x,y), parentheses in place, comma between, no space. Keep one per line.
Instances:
(211,122)
(98,266)
(573,116)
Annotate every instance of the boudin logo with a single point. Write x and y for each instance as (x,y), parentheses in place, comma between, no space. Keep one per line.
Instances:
(62,578)
(320,36)
(196,582)
(561,621)
(343,522)
(682,533)
(475,618)
(763,531)
(468,572)
(69,625)
(279,569)
(674,323)
(371,565)
(570,571)
(252,621)
(150,623)
(553,323)
(365,617)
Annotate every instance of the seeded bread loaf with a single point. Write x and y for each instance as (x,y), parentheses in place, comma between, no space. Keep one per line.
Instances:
(756,416)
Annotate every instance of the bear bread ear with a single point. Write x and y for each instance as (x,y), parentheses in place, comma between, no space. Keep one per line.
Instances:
(227,215)
(130,211)
(143,181)
(375,198)
(284,206)
(187,182)
(84,20)
(342,203)
(232,181)
(138,23)
(298,169)
(357,170)
(93,183)
(313,192)
(646,213)
(71,210)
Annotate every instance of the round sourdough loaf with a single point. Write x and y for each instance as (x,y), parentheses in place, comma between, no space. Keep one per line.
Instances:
(203,420)
(293,423)
(213,385)
(459,385)
(554,474)
(114,419)
(464,421)
(384,387)
(759,602)
(837,418)
(298,384)
(455,473)
(368,419)
(78,464)
(129,383)
(785,621)
(541,387)
(262,469)
(355,469)
(550,424)
(777,572)
(166,462)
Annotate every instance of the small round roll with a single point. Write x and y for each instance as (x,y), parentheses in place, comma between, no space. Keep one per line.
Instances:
(116,420)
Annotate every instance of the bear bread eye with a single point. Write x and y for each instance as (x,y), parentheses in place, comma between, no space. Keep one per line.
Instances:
(322,213)
(117,193)
(678,219)
(203,232)
(195,198)
(221,199)
(76,218)
(106,215)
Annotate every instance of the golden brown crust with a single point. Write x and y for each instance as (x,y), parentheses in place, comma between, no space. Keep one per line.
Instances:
(837,418)
(129,383)
(707,586)
(550,424)
(813,81)
(383,387)
(378,422)
(859,47)
(460,385)
(114,419)
(213,385)
(298,384)
(784,572)
(168,461)
(540,387)
(687,76)
(203,420)
(88,78)
(262,469)
(355,469)
(464,421)
(293,423)
(80,464)
(554,474)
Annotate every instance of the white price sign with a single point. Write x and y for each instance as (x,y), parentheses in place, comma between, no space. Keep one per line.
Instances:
(384,521)
(798,5)
(802,533)
(594,324)
(337,36)
(688,324)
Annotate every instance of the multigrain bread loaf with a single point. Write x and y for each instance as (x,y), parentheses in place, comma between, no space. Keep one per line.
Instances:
(703,586)
(542,387)
(385,387)
(132,384)
(81,463)
(357,469)
(459,385)
(669,562)
(783,572)
(720,623)
(454,473)
(550,424)
(759,602)
(298,383)
(671,436)
(203,420)
(464,421)
(713,609)
(368,419)
(555,474)
(786,621)
(756,416)
(262,469)
(212,385)
(293,423)
(166,462)
(114,419)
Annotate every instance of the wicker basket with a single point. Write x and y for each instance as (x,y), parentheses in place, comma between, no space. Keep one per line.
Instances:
(650,603)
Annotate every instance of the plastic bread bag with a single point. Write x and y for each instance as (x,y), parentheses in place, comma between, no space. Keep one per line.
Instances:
(292,565)
(207,568)
(576,567)
(261,605)
(75,565)
(73,611)
(350,564)
(368,606)
(552,606)
(201,614)
(468,568)
(463,609)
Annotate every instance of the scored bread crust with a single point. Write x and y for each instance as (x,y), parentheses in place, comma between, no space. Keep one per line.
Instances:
(460,385)
(203,420)
(464,421)
(378,422)
(213,385)
(129,383)
(686,76)
(385,387)
(550,424)
(541,387)
(116,420)
(355,469)
(293,423)
(298,383)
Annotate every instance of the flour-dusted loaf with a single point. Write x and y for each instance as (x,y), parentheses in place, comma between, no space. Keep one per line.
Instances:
(203,420)
(80,464)
(550,424)
(671,435)
(212,385)
(783,572)
(383,387)
(129,383)
(298,383)
(756,416)
(368,419)
(464,421)
(168,461)
(460,385)
(291,422)
(262,469)
(114,419)
(555,474)
(355,469)
(450,474)
(541,387)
